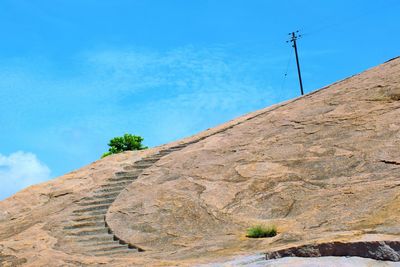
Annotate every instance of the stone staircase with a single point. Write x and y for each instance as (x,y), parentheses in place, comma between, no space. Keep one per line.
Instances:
(88,229)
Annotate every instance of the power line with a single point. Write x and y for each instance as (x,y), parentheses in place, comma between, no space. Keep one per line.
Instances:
(286,71)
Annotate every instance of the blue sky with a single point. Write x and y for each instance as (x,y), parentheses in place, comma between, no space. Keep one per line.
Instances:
(74,74)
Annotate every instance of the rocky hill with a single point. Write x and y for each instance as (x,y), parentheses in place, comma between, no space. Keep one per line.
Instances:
(324,168)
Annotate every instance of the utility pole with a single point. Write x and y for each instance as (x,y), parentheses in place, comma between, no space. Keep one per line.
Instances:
(293,40)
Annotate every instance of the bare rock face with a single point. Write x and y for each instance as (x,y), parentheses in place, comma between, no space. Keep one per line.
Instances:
(324,168)
(321,167)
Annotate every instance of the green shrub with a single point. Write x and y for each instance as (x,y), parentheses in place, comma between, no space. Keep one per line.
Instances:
(124,143)
(258,231)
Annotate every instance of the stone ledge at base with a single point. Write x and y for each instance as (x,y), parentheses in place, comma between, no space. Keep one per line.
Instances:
(377,250)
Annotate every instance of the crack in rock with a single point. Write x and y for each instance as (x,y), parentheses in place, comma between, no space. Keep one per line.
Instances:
(390,162)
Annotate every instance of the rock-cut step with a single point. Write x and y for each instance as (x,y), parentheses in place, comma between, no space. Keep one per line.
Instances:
(96,243)
(149,160)
(138,166)
(111,190)
(87,218)
(106,200)
(93,208)
(88,224)
(115,253)
(89,231)
(122,179)
(103,195)
(117,183)
(111,247)
(87,240)
(127,174)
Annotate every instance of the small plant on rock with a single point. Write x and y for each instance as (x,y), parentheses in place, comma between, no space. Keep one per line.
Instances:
(260,230)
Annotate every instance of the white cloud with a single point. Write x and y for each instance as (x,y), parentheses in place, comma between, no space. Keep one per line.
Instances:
(19,170)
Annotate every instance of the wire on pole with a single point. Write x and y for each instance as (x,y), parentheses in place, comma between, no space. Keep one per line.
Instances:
(286,71)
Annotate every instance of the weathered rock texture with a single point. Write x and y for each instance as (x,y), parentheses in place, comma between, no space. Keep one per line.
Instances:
(324,168)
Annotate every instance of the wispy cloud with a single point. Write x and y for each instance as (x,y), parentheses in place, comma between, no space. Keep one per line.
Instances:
(181,88)
(19,170)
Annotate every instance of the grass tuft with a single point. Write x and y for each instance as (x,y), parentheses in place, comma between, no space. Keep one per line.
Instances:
(259,231)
